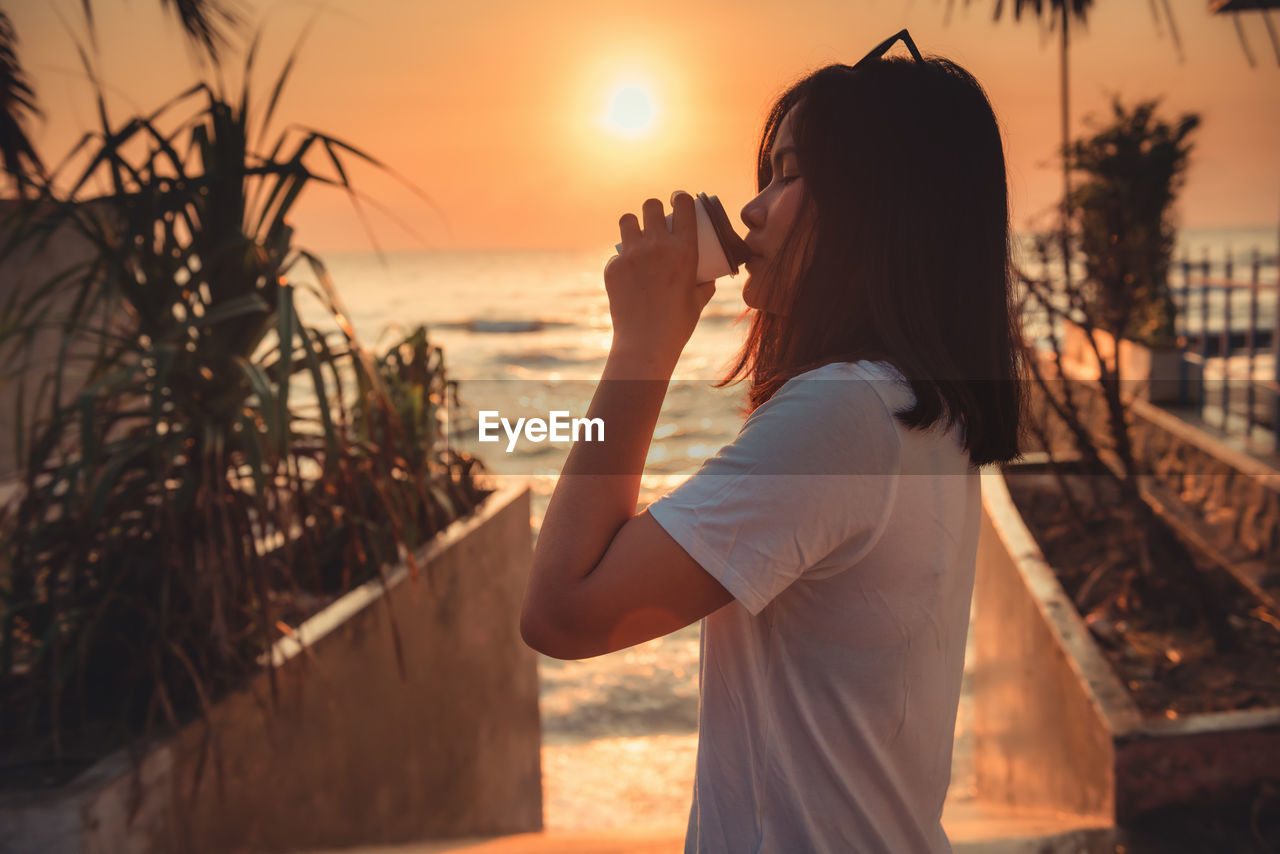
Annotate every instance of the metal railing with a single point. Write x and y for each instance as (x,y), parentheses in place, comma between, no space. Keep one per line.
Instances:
(1209,307)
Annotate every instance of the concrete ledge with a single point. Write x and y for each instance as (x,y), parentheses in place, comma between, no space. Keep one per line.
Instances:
(1237,492)
(354,752)
(1041,737)
(1054,728)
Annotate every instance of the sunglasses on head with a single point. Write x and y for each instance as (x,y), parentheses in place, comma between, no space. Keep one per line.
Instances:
(882,48)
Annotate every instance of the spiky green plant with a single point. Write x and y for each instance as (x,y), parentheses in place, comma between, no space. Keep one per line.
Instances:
(175,494)
(1132,169)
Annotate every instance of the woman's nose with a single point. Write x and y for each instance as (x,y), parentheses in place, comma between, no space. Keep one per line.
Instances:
(753,213)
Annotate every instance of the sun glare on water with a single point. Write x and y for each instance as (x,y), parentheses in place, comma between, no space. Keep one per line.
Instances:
(631,111)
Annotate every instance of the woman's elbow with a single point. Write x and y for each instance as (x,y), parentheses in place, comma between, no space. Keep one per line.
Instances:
(532,632)
(539,631)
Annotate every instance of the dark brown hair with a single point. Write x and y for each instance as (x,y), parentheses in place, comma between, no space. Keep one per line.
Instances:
(904,179)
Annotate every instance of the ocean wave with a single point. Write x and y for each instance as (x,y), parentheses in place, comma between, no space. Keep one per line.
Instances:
(519,364)
(511,326)
(720,316)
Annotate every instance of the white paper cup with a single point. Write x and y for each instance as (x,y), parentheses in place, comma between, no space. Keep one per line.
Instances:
(720,249)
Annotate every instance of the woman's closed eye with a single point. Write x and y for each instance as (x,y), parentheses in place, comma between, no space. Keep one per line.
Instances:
(785,168)
(785,174)
(781,178)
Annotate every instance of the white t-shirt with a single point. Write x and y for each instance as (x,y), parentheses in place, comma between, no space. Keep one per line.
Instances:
(828,688)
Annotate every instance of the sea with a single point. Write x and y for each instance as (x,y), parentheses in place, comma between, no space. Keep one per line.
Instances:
(526,332)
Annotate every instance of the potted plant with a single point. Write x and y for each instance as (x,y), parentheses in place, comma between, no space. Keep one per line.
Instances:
(201,472)
(1131,171)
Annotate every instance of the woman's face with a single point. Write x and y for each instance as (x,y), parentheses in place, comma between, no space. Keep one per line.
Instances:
(768,218)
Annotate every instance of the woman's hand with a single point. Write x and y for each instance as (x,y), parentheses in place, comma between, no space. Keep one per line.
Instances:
(654,299)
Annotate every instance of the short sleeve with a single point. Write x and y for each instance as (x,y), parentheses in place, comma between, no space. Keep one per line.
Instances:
(813,469)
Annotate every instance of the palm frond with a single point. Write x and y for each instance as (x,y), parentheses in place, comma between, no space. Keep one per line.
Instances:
(17,107)
(1077,9)
(207,22)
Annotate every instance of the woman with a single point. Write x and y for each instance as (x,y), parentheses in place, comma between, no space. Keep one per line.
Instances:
(829,549)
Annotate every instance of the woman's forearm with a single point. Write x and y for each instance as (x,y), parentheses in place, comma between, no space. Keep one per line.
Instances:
(599,485)
(654,303)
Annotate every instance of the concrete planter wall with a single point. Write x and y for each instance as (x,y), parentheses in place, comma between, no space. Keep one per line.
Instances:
(354,753)
(1162,375)
(1229,499)
(1054,728)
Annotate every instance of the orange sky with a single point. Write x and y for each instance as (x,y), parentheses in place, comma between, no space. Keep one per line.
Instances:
(492,106)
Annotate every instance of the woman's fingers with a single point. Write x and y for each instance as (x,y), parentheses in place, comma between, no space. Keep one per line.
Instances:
(684,218)
(654,218)
(654,300)
(629,227)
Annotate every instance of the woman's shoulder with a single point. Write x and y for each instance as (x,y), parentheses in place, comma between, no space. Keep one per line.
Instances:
(883,377)
(866,369)
(809,425)
(843,396)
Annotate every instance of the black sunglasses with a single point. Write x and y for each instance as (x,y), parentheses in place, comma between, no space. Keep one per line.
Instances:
(882,48)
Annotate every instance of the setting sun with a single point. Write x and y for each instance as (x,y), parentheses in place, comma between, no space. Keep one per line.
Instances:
(631,111)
